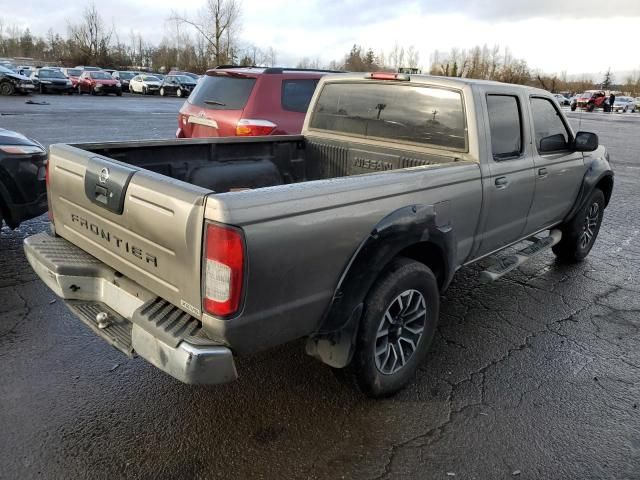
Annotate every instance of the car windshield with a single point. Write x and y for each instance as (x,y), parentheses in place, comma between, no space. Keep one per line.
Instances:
(6,70)
(74,72)
(51,74)
(125,75)
(184,79)
(101,76)
(150,78)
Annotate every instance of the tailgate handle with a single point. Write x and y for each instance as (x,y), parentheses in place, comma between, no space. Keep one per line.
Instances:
(106,182)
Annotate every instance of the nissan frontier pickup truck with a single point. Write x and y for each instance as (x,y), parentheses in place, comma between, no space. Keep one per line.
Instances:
(189,253)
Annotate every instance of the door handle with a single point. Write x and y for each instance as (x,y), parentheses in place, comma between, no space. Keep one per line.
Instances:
(501,182)
(542,172)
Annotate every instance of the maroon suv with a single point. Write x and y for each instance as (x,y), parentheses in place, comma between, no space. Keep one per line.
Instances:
(248,101)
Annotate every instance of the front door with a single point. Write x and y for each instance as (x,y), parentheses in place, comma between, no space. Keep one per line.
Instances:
(558,169)
(508,190)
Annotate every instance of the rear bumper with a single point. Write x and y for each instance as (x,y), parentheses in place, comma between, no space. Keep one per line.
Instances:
(127,316)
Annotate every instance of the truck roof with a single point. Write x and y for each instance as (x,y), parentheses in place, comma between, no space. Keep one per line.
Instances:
(455,82)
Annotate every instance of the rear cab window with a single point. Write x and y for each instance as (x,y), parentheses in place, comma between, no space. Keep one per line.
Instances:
(296,94)
(218,92)
(505,126)
(423,115)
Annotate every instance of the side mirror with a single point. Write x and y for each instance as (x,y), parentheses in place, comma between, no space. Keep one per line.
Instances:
(586,142)
(553,143)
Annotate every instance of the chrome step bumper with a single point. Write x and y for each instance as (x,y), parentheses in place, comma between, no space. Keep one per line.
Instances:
(127,316)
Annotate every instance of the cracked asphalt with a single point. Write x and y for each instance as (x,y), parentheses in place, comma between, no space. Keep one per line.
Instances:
(535,376)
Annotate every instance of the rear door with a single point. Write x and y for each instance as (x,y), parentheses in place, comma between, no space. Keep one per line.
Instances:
(510,185)
(215,106)
(144,225)
(558,169)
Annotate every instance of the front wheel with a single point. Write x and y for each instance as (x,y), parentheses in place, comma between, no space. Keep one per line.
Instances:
(573,108)
(162,92)
(398,324)
(7,88)
(144,90)
(179,93)
(580,233)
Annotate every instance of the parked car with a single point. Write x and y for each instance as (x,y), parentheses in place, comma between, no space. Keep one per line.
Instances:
(97,82)
(248,102)
(195,76)
(624,105)
(159,76)
(109,70)
(561,99)
(12,82)
(25,70)
(125,77)
(178,85)
(49,80)
(145,84)
(592,99)
(637,102)
(23,193)
(189,253)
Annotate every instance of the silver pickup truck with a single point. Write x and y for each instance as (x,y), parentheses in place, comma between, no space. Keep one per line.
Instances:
(190,252)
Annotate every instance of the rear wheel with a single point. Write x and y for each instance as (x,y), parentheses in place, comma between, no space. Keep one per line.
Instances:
(144,90)
(398,324)
(580,233)
(162,92)
(7,88)
(179,93)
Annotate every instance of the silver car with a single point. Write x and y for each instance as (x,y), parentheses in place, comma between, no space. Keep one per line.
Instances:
(624,104)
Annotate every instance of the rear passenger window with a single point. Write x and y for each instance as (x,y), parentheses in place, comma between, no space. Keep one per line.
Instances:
(402,113)
(296,94)
(551,132)
(505,125)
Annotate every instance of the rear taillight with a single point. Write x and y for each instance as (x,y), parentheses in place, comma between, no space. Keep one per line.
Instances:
(223,270)
(248,127)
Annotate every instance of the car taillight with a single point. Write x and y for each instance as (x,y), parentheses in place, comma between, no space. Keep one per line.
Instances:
(400,77)
(248,127)
(223,269)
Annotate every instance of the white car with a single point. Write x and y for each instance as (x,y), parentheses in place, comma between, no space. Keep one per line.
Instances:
(624,104)
(561,99)
(144,84)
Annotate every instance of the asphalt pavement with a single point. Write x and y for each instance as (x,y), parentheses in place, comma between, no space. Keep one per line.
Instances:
(535,376)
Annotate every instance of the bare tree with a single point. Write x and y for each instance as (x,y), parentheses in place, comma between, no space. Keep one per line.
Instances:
(218,23)
(91,36)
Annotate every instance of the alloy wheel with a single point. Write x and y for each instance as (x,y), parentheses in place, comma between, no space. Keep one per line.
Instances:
(590,225)
(400,331)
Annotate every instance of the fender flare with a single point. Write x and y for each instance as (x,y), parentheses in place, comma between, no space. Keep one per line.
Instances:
(598,171)
(410,226)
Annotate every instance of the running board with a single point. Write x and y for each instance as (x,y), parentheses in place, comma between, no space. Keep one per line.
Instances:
(504,265)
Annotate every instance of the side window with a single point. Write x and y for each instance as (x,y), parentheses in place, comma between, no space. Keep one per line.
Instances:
(551,133)
(505,125)
(296,94)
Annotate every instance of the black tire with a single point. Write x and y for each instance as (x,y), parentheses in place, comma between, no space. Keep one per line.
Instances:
(7,88)
(79,90)
(402,278)
(162,92)
(573,108)
(179,93)
(119,94)
(591,107)
(144,90)
(576,240)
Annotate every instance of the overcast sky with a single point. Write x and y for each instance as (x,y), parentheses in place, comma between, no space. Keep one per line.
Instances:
(575,36)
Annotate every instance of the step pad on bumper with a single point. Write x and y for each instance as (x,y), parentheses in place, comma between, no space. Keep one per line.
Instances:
(118,330)
(169,324)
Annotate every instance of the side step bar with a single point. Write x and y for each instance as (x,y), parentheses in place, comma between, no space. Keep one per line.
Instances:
(505,264)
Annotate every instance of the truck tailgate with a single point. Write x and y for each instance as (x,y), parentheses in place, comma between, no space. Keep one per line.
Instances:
(144,225)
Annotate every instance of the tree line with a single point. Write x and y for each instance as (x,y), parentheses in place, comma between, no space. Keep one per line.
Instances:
(208,38)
